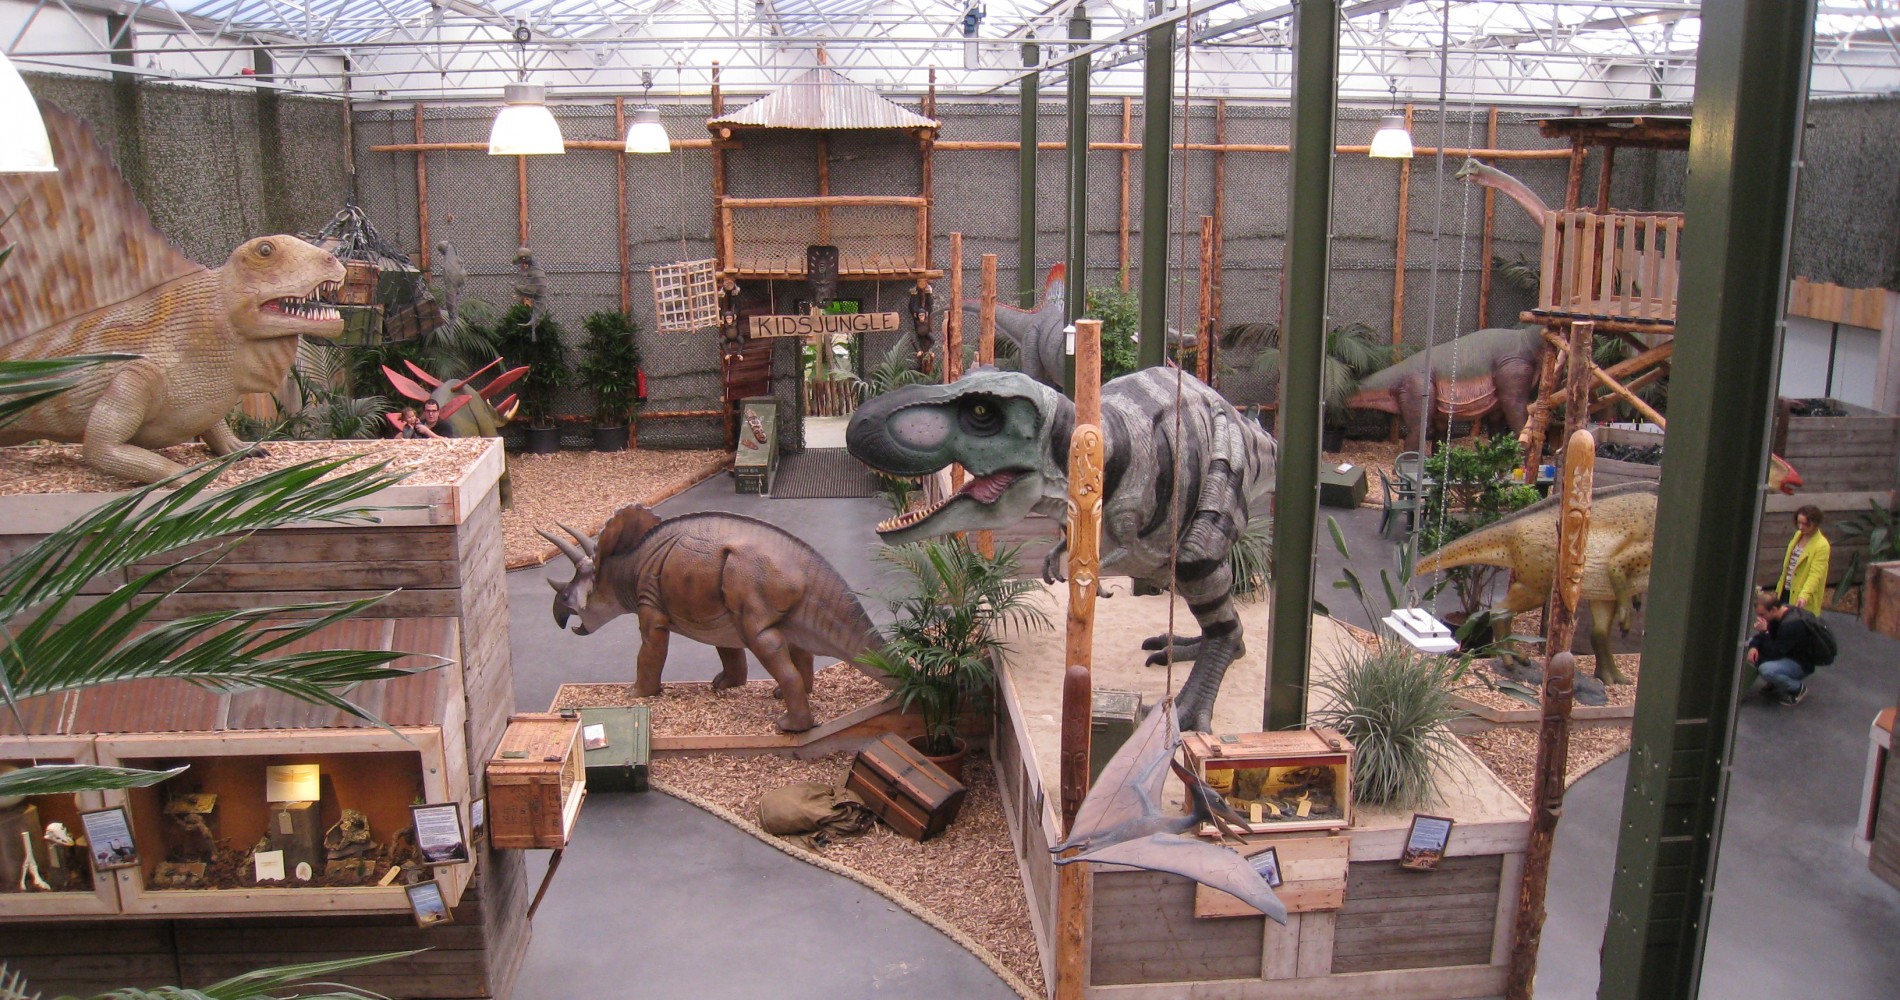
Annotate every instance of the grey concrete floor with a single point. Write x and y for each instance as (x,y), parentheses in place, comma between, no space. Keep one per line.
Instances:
(656,899)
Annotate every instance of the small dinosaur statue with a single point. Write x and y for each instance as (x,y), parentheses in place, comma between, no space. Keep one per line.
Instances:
(726,580)
(91,275)
(469,412)
(1012,435)
(1615,568)
(1478,374)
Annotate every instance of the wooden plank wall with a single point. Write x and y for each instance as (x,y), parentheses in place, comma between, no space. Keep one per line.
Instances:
(1143,930)
(1397,919)
(1884,858)
(1023,808)
(487,671)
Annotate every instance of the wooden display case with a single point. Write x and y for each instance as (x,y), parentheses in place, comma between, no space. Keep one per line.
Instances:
(376,772)
(1281,782)
(85,893)
(536,781)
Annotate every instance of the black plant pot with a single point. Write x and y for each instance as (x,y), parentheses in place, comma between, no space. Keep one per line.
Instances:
(544,440)
(1333,438)
(610,438)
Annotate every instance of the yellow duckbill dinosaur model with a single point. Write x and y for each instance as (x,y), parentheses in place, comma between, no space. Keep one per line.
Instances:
(91,275)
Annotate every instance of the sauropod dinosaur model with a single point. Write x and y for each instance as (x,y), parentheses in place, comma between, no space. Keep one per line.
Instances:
(1012,435)
(726,580)
(89,274)
(470,412)
(1481,373)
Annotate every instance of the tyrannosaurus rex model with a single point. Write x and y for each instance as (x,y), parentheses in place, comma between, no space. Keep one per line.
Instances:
(1012,434)
(90,275)
(1489,371)
(725,580)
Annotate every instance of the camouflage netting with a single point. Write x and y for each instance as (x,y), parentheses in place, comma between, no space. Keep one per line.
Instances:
(204,161)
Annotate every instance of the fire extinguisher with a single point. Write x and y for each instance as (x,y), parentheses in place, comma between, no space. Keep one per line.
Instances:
(640,384)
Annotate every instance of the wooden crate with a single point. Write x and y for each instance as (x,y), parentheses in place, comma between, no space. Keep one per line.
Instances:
(621,765)
(1880,599)
(904,788)
(1254,770)
(536,781)
(1312,870)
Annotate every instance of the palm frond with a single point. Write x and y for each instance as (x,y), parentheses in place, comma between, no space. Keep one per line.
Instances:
(56,779)
(180,511)
(263,984)
(27,383)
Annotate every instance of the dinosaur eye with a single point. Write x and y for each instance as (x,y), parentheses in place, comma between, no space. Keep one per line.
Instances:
(982,417)
(264,249)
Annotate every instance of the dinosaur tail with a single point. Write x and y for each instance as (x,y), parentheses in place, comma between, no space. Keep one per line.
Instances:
(839,626)
(1488,546)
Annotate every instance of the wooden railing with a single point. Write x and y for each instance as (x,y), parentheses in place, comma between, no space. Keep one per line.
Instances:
(878,237)
(1617,268)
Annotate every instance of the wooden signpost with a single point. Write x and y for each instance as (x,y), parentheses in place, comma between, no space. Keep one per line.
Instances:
(824,323)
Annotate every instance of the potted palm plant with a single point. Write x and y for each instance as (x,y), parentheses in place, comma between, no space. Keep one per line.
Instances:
(946,630)
(610,370)
(525,339)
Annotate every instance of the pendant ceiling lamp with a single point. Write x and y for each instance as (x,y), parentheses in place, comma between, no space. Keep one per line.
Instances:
(524,126)
(1393,141)
(646,134)
(24,148)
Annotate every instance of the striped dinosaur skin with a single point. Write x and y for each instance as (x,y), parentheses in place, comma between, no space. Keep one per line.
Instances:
(1012,435)
(91,275)
(726,580)
(1615,568)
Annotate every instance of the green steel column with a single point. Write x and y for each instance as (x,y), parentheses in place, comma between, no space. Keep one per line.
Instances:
(1303,340)
(1751,86)
(1157,156)
(1027,284)
(1079,27)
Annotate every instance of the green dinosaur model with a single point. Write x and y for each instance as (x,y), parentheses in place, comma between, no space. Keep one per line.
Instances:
(1615,569)
(726,580)
(1478,374)
(90,275)
(1012,434)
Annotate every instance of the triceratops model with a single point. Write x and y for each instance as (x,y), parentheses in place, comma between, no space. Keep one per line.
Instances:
(469,412)
(725,580)
(1012,434)
(90,275)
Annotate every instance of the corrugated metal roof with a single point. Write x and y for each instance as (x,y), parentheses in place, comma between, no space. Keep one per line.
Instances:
(822,98)
(172,706)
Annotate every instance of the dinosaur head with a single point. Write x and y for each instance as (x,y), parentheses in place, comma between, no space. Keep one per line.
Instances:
(1008,431)
(1470,168)
(281,286)
(583,596)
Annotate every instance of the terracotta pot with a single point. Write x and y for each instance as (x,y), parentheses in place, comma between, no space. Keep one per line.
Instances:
(951,764)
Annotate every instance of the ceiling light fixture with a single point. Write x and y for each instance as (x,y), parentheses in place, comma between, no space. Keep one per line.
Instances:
(646,134)
(524,126)
(1393,141)
(24,147)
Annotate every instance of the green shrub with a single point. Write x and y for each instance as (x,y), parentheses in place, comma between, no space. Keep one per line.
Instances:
(610,367)
(1120,313)
(523,341)
(1394,703)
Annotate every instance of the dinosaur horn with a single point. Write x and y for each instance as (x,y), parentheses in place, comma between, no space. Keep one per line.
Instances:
(472,376)
(493,390)
(506,408)
(405,385)
(588,542)
(422,374)
(454,404)
(568,549)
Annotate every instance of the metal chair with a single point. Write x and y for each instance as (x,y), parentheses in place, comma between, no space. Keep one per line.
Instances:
(1410,466)
(1396,500)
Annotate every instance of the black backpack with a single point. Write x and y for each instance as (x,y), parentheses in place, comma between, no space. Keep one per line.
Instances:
(1822,647)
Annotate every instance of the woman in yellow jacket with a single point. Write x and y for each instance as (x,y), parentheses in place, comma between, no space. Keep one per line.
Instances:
(1803,578)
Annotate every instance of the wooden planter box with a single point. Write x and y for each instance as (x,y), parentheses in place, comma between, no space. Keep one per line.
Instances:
(437,562)
(1880,599)
(537,780)
(1614,472)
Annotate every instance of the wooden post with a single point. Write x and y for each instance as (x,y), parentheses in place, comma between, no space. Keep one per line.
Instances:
(422,197)
(824,187)
(1398,277)
(1573,186)
(1490,227)
(1537,422)
(521,199)
(722,242)
(1603,180)
(953,316)
(926,145)
(1128,166)
(1202,356)
(620,207)
(1085,495)
(1553,737)
(986,355)
(1577,380)
(1220,222)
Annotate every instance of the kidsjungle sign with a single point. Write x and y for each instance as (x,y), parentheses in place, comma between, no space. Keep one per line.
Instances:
(823,323)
